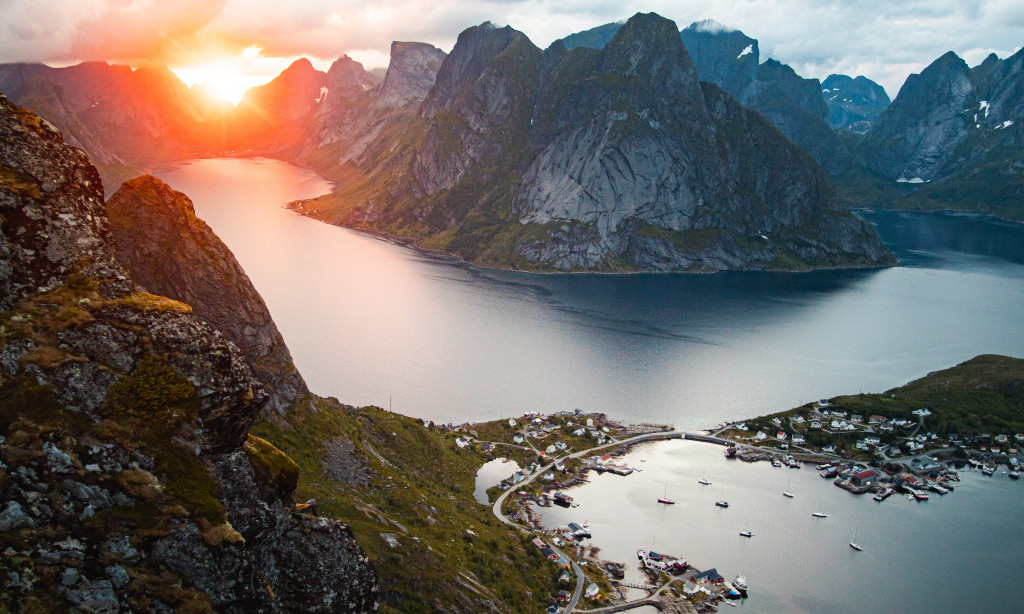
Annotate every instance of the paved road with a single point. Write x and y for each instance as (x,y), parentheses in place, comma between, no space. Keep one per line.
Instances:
(580,578)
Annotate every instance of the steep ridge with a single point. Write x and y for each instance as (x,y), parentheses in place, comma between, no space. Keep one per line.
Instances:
(952,139)
(731,59)
(129,479)
(584,159)
(169,251)
(854,104)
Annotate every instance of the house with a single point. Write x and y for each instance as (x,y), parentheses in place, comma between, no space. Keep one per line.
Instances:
(692,589)
(710,576)
(815,424)
(462,442)
(777,421)
(518,438)
(564,595)
(606,458)
(924,411)
(760,436)
(856,418)
(895,451)
(838,413)
(485,447)
(742,426)
(539,543)
(822,402)
(1002,438)
(560,466)
(798,439)
(590,423)
(888,427)
(579,432)
(781,435)
(864,478)
(861,445)
(565,576)
(591,591)
(549,476)
(518,476)
(829,449)
(549,553)
(561,446)
(901,422)
(872,440)
(512,422)
(550,449)
(876,419)
(837,424)
(799,419)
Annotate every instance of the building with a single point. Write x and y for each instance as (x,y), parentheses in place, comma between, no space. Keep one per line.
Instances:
(872,440)
(864,478)
(798,439)
(591,591)
(518,438)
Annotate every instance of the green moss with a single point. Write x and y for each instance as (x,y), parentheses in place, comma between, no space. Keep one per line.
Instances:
(154,390)
(272,466)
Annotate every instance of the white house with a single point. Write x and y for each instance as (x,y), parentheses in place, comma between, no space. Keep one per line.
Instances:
(517,438)
(760,436)
(798,439)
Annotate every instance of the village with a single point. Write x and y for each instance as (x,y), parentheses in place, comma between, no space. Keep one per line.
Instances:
(871,454)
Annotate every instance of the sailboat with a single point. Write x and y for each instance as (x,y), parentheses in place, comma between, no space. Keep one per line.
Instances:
(853,542)
(819,514)
(746,533)
(703,479)
(664,499)
(786,492)
(722,502)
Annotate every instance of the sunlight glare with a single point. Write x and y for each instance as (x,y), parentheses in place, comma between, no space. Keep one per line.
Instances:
(226,78)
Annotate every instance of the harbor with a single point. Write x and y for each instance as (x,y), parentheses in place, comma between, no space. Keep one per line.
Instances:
(792,554)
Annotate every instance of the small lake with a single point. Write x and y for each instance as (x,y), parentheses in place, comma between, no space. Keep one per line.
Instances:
(371,322)
(916,555)
(491,474)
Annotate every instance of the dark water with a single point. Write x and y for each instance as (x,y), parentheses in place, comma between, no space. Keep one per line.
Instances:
(371,322)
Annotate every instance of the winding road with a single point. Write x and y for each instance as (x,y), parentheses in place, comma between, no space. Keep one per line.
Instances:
(580,577)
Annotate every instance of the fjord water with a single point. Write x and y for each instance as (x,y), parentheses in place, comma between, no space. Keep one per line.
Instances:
(368,321)
(958,552)
(372,322)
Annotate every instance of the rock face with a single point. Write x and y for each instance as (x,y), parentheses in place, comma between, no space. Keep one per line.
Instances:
(953,137)
(171,252)
(731,59)
(853,104)
(410,74)
(611,159)
(129,480)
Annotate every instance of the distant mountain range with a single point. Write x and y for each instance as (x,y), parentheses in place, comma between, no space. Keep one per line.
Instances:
(574,158)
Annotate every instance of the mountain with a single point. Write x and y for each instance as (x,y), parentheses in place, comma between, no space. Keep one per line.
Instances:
(595,159)
(169,251)
(853,104)
(731,59)
(130,480)
(124,118)
(952,139)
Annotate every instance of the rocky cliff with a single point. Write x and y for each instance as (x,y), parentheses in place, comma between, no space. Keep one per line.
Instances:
(586,159)
(854,104)
(953,138)
(731,59)
(129,480)
(170,252)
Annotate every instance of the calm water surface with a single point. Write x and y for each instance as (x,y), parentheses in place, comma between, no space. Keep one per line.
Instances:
(371,322)
(916,557)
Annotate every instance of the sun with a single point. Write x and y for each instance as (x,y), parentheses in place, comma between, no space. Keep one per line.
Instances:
(223,79)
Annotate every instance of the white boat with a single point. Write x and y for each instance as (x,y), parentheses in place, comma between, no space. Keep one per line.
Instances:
(746,534)
(664,499)
(703,479)
(740,582)
(722,502)
(855,546)
(786,492)
(819,515)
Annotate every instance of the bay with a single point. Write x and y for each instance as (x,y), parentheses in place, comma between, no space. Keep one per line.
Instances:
(372,322)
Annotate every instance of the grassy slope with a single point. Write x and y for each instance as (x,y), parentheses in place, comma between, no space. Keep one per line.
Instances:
(984,395)
(420,487)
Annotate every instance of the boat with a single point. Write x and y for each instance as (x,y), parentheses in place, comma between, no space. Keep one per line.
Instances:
(722,502)
(664,499)
(786,492)
(819,515)
(562,499)
(883,495)
(704,479)
(740,583)
(988,469)
(855,546)
(921,496)
(746,534)
(1015,475)
(776,462)
(731,451)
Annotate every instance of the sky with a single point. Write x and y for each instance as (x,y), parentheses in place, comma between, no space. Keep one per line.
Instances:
(883,40)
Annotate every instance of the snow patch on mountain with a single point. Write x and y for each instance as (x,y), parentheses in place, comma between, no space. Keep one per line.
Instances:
(746,51)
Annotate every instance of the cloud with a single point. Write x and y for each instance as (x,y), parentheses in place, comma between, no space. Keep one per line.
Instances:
(883,41)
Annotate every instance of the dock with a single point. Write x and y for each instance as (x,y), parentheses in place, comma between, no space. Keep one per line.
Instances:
(616,469)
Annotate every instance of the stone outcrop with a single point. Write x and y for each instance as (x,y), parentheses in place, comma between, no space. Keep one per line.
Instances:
(854,104)
(171,252)
(410,74)
(129,481)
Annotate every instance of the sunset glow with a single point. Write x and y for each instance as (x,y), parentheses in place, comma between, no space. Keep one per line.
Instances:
(228,78)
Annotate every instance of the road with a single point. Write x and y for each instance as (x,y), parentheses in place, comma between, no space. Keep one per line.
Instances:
(580,577)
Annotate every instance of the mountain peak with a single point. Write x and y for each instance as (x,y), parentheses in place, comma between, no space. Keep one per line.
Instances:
(710,26)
